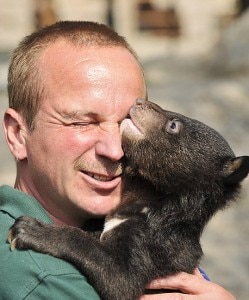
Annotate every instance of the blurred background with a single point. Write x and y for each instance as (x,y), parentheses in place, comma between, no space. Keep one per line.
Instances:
(196,60)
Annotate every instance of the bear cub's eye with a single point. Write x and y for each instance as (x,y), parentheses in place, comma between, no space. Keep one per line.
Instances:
(173,126)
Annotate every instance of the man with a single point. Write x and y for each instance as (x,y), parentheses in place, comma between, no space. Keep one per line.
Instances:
(70,85)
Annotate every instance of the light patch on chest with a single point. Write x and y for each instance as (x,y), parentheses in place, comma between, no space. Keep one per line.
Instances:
(111,224)
(145,210)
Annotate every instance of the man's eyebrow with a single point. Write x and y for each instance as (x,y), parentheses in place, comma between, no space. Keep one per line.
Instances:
(75,115)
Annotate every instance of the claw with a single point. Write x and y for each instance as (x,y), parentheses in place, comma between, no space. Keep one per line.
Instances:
(11,240)
(10,236)
(13,244)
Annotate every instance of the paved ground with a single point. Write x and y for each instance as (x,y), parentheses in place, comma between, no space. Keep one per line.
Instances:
(223,103)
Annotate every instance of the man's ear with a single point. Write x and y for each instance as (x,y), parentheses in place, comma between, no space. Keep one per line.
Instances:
(15,133)
(236,170)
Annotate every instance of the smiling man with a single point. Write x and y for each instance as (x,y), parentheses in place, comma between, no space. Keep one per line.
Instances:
(70,159)
(70,85)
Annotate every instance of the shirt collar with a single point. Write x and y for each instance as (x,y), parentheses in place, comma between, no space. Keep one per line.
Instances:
(17,204)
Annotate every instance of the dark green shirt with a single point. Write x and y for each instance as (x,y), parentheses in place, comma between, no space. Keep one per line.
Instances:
(30,275)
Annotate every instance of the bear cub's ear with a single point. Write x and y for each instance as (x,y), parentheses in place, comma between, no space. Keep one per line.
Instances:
(236,170)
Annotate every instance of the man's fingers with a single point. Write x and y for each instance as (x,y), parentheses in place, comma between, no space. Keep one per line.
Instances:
(192,286)
(184,282)
(171,296)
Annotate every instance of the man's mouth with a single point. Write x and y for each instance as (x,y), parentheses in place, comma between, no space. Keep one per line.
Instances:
(102,181)
(100,177)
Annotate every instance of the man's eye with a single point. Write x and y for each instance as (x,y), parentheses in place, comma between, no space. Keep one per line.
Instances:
(83,124)
(79,124)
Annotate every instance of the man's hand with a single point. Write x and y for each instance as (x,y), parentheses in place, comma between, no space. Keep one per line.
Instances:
(193,287)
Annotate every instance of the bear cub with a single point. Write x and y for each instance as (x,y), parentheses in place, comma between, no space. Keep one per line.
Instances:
(177,173)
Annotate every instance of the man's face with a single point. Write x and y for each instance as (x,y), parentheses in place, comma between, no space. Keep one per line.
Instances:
(74,151)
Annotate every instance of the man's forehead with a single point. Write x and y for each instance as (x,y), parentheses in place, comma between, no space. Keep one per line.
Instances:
(68,50)
(96,62)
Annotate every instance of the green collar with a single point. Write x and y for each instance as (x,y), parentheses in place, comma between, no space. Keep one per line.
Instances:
(17,204)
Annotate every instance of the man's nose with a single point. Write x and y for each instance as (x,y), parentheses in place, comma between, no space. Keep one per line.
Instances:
(109,143)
